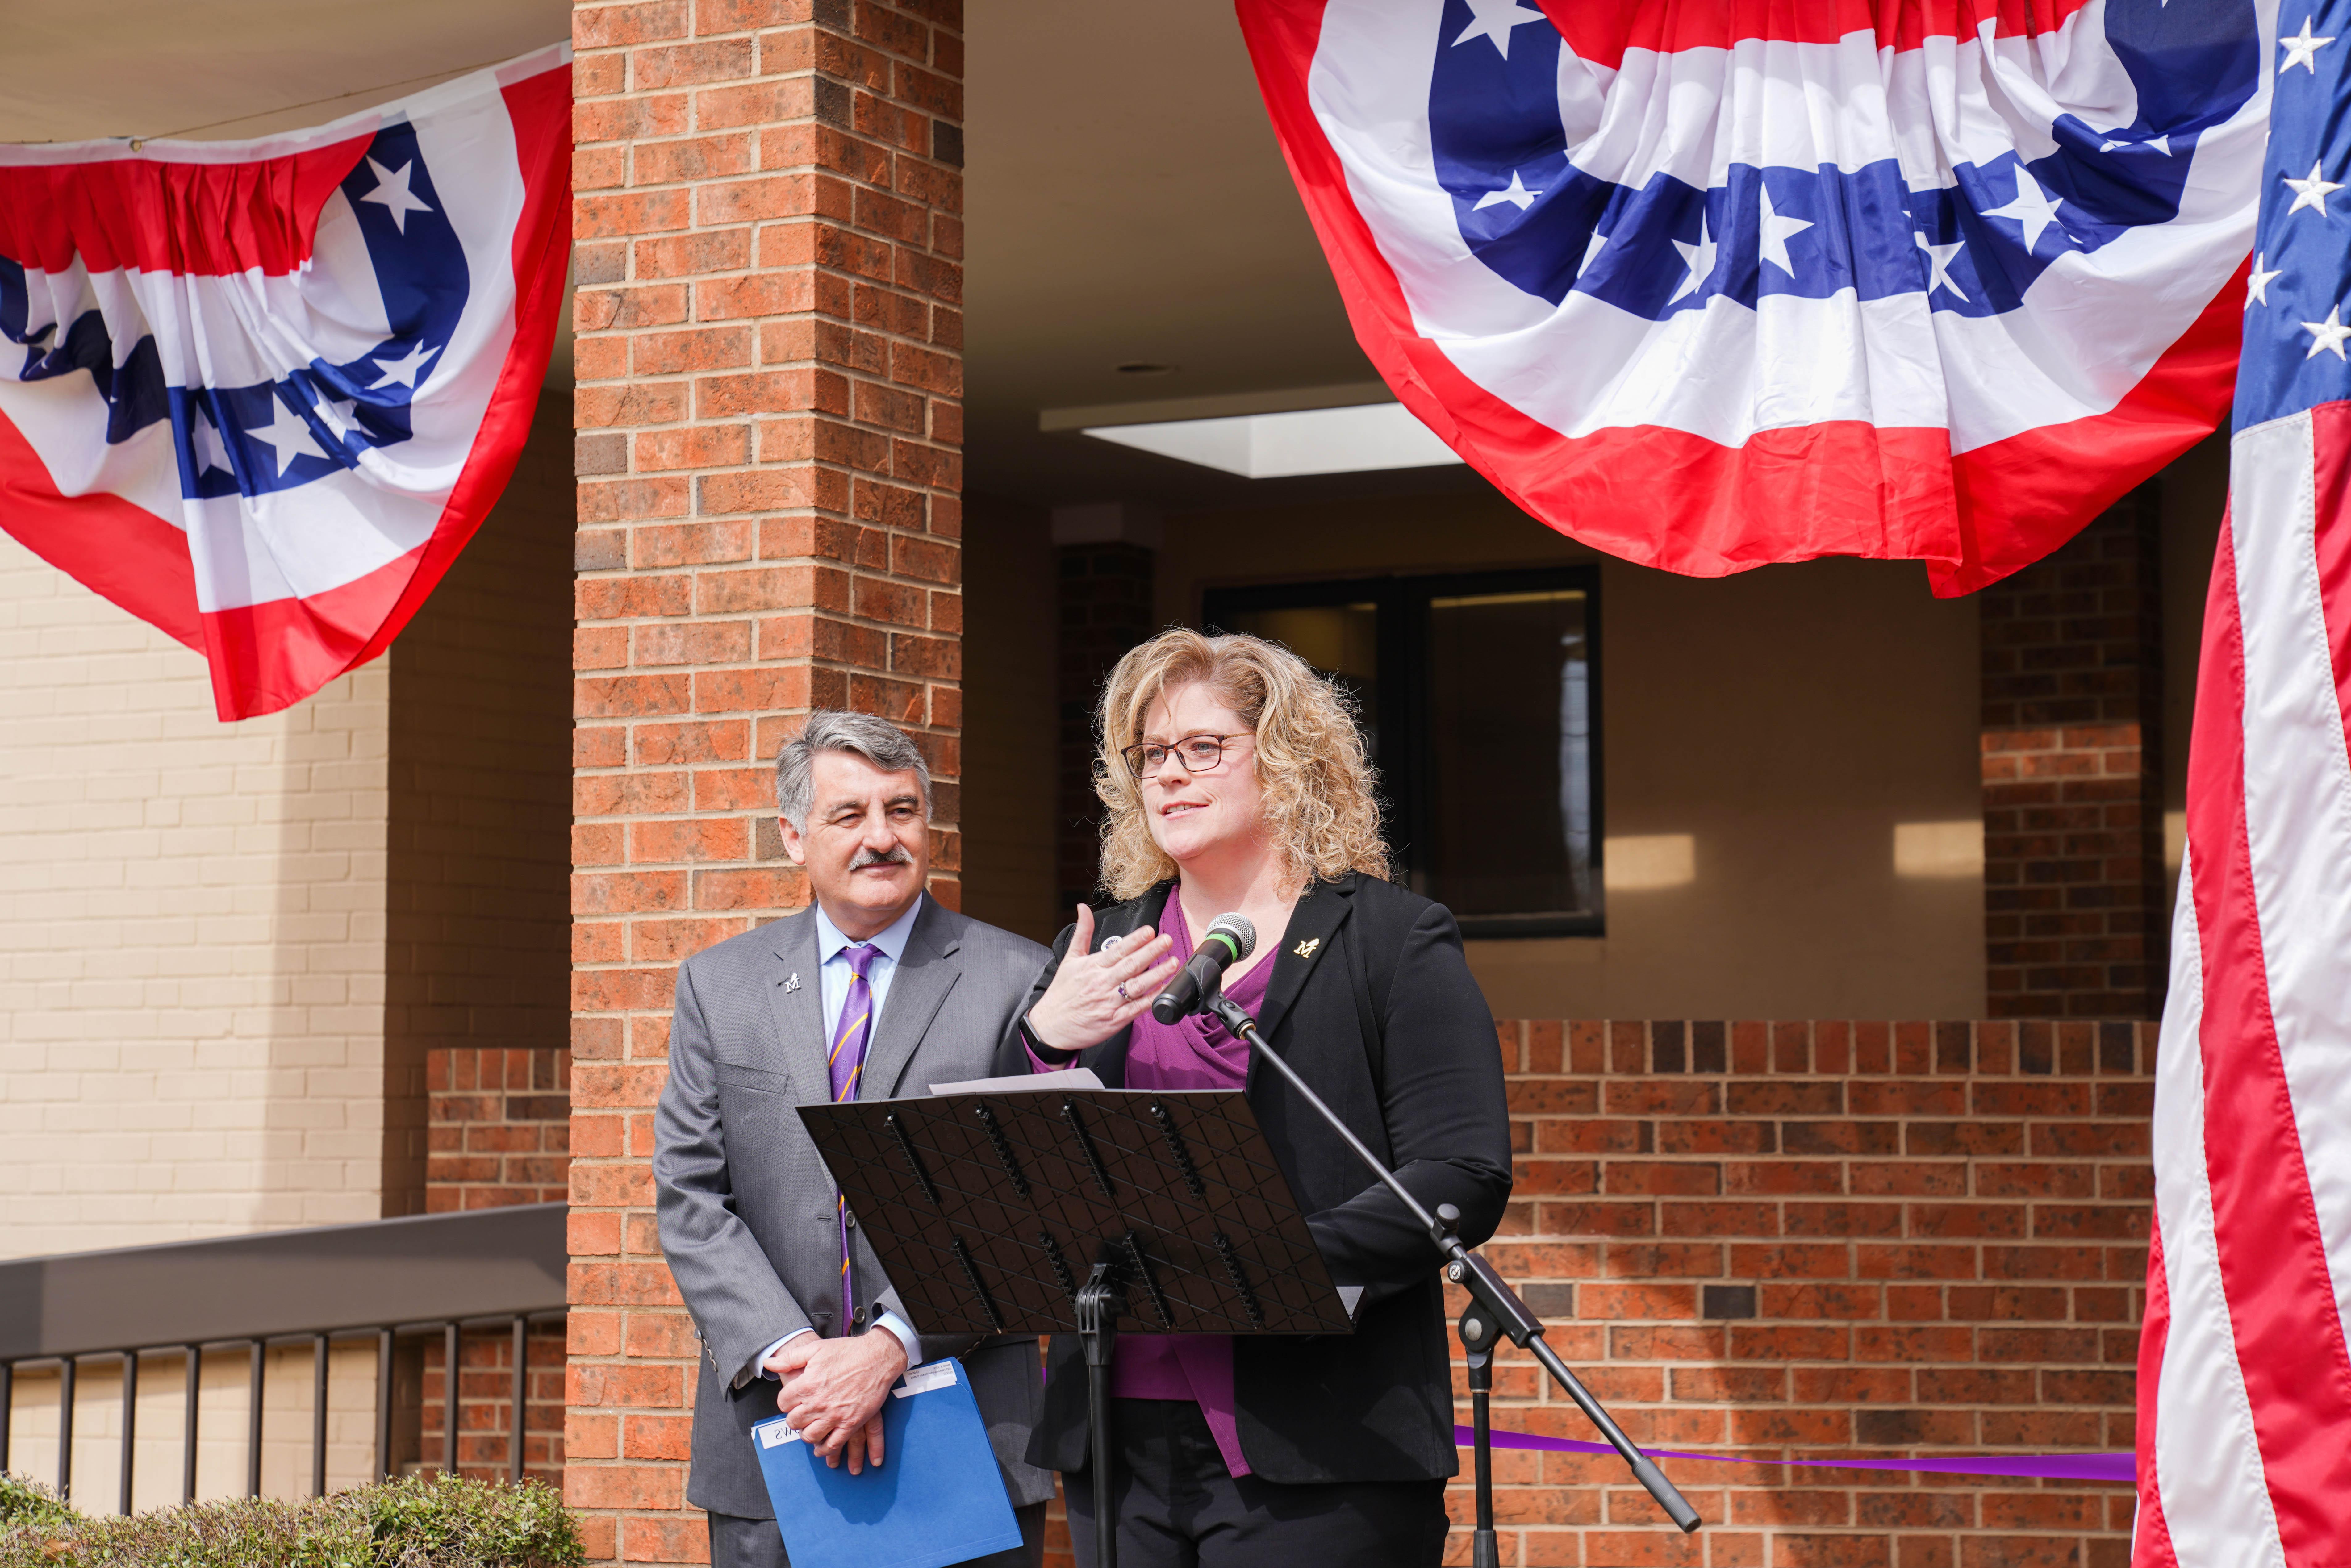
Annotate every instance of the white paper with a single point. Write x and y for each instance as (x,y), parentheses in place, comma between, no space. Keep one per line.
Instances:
(771,1433)
(1068,1078)
(924,1378)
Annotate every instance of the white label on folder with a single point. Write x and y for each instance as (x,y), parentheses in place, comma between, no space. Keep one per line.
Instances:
(774,1432)
(924,1378)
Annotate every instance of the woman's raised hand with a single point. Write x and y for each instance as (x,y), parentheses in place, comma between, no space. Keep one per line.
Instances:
(1095,995)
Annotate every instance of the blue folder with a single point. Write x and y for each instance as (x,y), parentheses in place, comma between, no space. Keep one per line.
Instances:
(937,1498)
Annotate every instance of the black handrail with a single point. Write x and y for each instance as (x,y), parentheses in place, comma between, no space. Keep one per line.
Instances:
(386,1279)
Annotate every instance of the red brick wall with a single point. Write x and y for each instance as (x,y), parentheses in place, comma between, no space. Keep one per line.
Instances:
(486,1404)
(769,241)
(2072,776)
(1801,1240)
(500,1129)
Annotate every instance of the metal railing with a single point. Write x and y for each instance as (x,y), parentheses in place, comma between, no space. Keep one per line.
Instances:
(387,1280)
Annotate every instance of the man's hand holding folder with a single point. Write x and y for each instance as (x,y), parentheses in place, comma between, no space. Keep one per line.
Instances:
(832,1393)
(943,1501)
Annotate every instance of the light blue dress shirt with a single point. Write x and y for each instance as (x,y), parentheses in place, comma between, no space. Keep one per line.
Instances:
(833,975)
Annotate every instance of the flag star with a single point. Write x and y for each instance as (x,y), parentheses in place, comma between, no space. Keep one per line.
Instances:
(289,435)
(2302,49)
(1515,193)
(402,371)
(1776,232)
(2327,334)
(392,194)
(210,451)
(1699,258)
(2033,209)
(2311,193)
(1590,254)
(2160,143)
(2257,284)
(1938,260)
(339,415)
(1494,19)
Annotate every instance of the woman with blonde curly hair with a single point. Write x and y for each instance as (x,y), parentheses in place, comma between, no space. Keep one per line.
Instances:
(1235,782)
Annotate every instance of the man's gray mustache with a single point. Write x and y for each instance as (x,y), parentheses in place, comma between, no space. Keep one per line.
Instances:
(868,857)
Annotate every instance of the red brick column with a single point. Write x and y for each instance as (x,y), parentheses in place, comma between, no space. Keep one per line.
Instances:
(2072,776)
(769,262)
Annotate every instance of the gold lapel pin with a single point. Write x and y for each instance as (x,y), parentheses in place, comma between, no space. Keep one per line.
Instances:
(1306,949)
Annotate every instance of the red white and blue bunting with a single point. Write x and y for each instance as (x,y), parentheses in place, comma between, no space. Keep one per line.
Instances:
(261,393)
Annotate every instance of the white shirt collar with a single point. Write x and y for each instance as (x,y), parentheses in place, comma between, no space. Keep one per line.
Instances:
(891,940)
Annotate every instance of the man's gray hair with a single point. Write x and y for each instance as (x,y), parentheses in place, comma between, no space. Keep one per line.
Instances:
(877,740)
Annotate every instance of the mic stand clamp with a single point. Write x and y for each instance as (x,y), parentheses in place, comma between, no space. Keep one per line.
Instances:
(1494,1307)
(1100,1303)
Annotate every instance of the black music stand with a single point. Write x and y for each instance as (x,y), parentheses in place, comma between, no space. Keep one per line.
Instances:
(1065,1210)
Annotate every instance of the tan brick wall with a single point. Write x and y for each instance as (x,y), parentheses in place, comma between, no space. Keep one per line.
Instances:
(231,954)
(767,245)
(190,937)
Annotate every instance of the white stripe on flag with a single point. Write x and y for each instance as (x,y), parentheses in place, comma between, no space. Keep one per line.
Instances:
(2208,1463)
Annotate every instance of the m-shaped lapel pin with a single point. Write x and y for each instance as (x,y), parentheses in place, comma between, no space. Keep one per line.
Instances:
(1306,949)
(793,984)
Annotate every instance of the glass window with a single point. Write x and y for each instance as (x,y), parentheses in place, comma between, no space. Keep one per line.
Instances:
(1479,699)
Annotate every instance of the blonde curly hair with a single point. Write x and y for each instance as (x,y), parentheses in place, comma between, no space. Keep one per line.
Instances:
(1319,808)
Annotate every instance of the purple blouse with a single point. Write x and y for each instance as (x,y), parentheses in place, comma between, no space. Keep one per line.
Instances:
(1195,1052)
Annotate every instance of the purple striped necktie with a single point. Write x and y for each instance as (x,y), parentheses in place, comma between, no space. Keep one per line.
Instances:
(847,1064)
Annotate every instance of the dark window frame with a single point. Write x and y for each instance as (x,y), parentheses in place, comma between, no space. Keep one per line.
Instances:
(1404,699)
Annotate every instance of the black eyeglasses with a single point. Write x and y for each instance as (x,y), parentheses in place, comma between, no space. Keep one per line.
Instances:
(1194,753)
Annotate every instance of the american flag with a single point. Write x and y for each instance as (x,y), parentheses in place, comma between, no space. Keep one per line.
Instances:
(2244,1422)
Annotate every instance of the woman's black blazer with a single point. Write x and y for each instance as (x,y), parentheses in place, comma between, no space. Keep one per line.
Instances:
(1427,1097)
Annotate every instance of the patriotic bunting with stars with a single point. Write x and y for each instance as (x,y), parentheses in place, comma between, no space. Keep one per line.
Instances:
(1715,283)
(260,393)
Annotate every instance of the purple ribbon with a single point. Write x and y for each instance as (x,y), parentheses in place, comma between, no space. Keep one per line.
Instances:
(2050,1467)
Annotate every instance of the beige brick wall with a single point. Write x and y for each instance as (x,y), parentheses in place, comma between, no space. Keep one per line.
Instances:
(191,937)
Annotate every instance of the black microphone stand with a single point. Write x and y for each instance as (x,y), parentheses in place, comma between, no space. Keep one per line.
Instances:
(1494,1310)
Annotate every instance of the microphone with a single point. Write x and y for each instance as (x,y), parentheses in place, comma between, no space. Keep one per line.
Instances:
(1231,939)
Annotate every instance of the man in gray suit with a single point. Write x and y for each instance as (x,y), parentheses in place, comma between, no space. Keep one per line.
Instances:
(877,991)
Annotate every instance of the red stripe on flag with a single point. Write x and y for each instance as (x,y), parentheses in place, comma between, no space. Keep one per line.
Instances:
(120,550)
(1667,498)
(189,219)
(2282,1308)
(1602,32)
(271,655)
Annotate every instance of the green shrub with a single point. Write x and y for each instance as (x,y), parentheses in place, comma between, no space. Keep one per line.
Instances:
(29,1503)
(435,1521)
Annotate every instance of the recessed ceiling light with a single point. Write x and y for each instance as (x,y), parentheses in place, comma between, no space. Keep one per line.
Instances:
(1278,445)
(1144,368)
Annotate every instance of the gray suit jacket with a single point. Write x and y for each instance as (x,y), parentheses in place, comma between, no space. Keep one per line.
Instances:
(746,1203)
